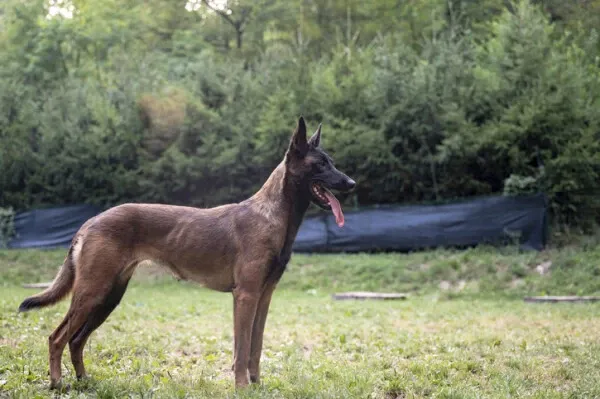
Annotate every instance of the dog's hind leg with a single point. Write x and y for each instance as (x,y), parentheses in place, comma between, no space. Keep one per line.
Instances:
(55,352)
(258,331)
(99,285)
(94,320)
(57,341)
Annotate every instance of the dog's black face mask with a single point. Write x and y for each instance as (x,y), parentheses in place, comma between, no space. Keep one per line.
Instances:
(315,168)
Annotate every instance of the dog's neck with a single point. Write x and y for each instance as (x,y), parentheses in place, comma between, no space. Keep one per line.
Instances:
(283,199)
(283,196)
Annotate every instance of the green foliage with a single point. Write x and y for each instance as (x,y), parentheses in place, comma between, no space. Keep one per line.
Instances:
(7,226)
(516,185)
(439,100)
(538,105)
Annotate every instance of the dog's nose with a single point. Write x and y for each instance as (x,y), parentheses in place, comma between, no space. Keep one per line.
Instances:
(351,184)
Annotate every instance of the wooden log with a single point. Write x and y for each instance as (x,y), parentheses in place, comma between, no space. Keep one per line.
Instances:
(556,299)
(37,285)
(368,295)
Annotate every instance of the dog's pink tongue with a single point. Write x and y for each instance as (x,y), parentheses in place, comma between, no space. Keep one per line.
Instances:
(336,208)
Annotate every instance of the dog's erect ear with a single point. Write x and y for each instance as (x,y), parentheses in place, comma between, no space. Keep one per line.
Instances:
(298,144)
(315,140)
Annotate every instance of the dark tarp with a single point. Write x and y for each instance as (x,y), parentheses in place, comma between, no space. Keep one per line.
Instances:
(50,228)
(493,220)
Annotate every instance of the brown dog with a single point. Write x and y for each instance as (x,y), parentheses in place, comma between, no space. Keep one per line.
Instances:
(239,248)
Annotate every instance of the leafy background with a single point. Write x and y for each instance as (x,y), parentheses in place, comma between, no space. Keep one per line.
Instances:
(193,102)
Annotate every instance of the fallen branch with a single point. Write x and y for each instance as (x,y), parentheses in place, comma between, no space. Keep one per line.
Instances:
(37,285)
(554,299)
(368,295)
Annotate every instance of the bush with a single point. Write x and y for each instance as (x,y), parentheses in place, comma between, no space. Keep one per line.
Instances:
(7,226)
(459,113)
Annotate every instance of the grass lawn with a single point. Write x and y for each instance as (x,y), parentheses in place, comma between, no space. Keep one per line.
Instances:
(472,338)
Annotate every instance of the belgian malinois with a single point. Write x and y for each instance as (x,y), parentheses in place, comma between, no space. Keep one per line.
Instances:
(240,248)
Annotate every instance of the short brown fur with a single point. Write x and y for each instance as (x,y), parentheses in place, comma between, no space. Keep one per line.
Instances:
(241,248)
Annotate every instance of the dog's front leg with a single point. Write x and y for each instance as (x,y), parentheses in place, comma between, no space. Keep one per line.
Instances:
(258,331)
(245,303)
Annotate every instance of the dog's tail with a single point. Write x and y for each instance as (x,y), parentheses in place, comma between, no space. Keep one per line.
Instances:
(61,286)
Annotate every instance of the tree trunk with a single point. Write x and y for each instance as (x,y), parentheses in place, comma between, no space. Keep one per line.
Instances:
(238,33)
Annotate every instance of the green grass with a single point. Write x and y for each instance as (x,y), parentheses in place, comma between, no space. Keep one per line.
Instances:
(486,272)
(475,338)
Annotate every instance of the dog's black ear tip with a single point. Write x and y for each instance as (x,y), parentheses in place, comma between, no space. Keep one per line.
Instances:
(301,128)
